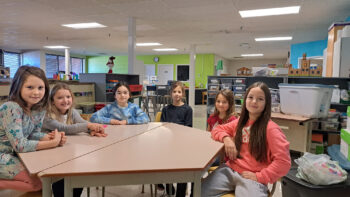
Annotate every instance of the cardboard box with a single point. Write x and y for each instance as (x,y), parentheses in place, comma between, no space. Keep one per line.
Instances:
(344,143)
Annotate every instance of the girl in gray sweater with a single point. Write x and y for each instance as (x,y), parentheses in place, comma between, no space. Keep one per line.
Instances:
(62,116)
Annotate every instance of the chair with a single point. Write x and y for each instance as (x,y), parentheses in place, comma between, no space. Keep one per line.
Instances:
(158,116)
(269,192)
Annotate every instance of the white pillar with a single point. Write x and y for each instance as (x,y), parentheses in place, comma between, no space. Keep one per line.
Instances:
(192,79)
(67,61)
(43,60)
(131,44)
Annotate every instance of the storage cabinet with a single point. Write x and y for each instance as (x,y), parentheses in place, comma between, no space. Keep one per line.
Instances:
(105,82)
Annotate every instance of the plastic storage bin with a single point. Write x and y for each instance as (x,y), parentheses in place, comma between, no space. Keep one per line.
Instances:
(309,100)
(237,81)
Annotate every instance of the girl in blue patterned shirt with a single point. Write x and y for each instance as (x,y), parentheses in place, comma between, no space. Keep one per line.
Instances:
(121,112)
(20,126)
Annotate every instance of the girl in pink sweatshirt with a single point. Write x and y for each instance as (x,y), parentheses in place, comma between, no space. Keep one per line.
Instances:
(257,149)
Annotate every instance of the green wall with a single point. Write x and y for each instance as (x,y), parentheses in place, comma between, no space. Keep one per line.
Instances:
(204,64)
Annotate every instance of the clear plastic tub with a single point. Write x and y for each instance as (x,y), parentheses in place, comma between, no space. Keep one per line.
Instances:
(309,100)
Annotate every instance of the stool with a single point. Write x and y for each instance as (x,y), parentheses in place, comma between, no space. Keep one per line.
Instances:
(204,97)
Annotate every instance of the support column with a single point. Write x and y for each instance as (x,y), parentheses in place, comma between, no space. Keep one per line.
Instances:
(67,61)
(192,79)
(131,44)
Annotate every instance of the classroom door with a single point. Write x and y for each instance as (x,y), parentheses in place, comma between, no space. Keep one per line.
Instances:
(165,73)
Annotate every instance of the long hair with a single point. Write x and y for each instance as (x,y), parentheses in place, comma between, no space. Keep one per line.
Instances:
(257,140)
(53,112)
(19,79)
(228,95)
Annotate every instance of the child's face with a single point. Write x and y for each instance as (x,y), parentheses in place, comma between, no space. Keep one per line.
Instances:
(221,104)
(122,95)
(63,100)
(256,101)
(33,90)
(177,94)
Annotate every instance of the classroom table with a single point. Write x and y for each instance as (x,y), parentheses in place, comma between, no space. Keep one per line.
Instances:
(81,144)
(161,153)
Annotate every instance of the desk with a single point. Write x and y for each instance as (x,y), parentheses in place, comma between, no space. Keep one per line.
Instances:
(165,153)
(297,130)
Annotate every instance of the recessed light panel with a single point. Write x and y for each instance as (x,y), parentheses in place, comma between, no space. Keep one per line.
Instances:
(269,11)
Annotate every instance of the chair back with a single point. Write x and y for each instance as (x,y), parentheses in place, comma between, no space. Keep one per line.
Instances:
(157,119)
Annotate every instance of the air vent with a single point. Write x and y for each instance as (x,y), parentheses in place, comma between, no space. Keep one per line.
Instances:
(238,57)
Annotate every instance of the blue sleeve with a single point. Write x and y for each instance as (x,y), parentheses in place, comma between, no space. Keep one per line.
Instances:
(137,116)
(102,116)
(37,134)
(12,122)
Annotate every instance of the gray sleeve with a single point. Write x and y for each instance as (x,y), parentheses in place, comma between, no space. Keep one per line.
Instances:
(51,124)
(77,118)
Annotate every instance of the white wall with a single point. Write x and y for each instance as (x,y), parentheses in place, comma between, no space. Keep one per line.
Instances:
(225,65)
(249,63)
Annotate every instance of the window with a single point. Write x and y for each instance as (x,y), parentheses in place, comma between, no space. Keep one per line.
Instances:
(13,61)
(183,72)
(56,63)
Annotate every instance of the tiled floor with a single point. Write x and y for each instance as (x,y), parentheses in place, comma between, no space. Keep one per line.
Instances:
(199,121)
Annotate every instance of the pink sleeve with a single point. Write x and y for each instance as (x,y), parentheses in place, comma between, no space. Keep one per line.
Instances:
(221,131)
(278,152)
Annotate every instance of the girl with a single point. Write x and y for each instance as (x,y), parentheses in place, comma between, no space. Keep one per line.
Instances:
(62,116)
(224,109)
(257,149)
(20,126)
(180,113)
(121,112)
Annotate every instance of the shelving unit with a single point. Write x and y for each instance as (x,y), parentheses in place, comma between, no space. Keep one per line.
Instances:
(105,82)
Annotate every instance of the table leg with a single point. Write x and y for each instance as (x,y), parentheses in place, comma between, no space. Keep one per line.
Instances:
(46,188)
(68,190)
(197,185)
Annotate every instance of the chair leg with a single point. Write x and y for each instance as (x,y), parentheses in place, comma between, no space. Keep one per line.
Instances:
(143,189)
(103,191)
(88,191)
(151,188)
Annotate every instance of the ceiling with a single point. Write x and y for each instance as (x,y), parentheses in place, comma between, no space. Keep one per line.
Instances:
(214,26)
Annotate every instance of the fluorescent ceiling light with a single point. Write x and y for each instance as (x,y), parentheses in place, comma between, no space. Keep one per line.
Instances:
(84,25)
(165,49)
(269,11)
(274,38)
(56,47)
(148,44)
(252,55)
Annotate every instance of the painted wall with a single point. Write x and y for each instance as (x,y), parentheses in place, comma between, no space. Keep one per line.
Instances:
(314,48)
(249,63)
(31,58)
(204,64)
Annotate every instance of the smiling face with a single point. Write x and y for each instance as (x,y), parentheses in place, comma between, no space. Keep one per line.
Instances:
(33,90)
(63,100)
(221,104)
(122,96)
(255,102)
